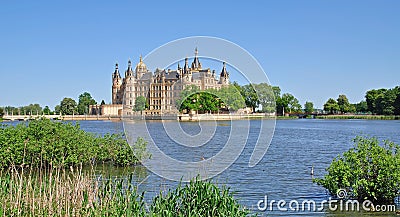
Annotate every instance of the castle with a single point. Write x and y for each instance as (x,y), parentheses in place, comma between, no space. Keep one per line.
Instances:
(161,88)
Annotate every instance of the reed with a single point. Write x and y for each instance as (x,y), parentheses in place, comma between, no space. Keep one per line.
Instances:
(77,192)
(61,192)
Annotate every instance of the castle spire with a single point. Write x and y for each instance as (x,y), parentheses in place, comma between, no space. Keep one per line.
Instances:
(129,65)
(224,76)
(224,72)
(116,72)
(196,65)
(186,67)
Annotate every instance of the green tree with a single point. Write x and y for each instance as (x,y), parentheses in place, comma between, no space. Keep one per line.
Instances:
(231,97)
(208,102)
(57,109)
(309,107)
(352,108)
(11,110)
(31,109)
(186,99)
(266,97)
(102,102)
(85,99)
(250,96)
(290,103)
(371,98)
(397,105)
(362,107)
(68,106)
(140,104)
(370,171)
(331,106)
(1,111)
(388,101)
(46,110)
(343,103)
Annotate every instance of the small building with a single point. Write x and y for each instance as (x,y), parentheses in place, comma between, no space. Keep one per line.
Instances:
(106,110)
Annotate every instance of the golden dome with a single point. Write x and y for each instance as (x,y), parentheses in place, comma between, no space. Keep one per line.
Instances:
(141,66)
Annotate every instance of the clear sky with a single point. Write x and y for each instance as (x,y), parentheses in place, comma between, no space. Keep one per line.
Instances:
(313,49)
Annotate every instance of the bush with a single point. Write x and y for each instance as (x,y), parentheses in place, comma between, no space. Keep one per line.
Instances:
(198,198)
(46,143)
(367,171)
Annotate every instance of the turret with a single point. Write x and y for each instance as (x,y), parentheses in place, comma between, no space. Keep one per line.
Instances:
(141,68)
(187,73)
(129,71)
(196,65)
(116,86)
(224,76)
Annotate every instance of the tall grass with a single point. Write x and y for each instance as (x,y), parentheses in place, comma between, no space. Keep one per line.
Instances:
(76,192)
(62,192)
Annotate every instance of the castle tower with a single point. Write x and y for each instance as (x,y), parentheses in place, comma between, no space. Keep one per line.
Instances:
(187,73)
(224,76)
(116,86)
(179,71)
(196,65)
(141,68)
(129,85)
(129,71)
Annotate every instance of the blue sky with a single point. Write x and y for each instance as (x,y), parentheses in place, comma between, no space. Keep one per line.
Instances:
(313,49)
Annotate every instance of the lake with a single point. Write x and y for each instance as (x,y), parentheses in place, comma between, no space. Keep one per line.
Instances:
(282,174)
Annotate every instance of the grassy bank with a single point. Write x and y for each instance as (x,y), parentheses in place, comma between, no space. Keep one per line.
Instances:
(73,192)
(366,117)
(286,117)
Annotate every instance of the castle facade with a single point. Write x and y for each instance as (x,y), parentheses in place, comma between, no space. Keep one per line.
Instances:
(161,88)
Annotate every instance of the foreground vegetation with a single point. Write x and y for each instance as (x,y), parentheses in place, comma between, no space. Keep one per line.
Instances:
(42,143)
(370,171)
(73,192)
(35,180)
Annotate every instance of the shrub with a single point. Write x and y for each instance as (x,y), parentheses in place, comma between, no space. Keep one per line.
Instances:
(367,171)
(197,198)
(47,143)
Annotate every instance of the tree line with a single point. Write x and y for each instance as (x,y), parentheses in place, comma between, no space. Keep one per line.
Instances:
(377,101)
(259,97)
(67,106)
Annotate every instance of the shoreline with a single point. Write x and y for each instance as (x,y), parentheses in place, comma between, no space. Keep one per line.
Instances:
(201,117)
(360,117)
